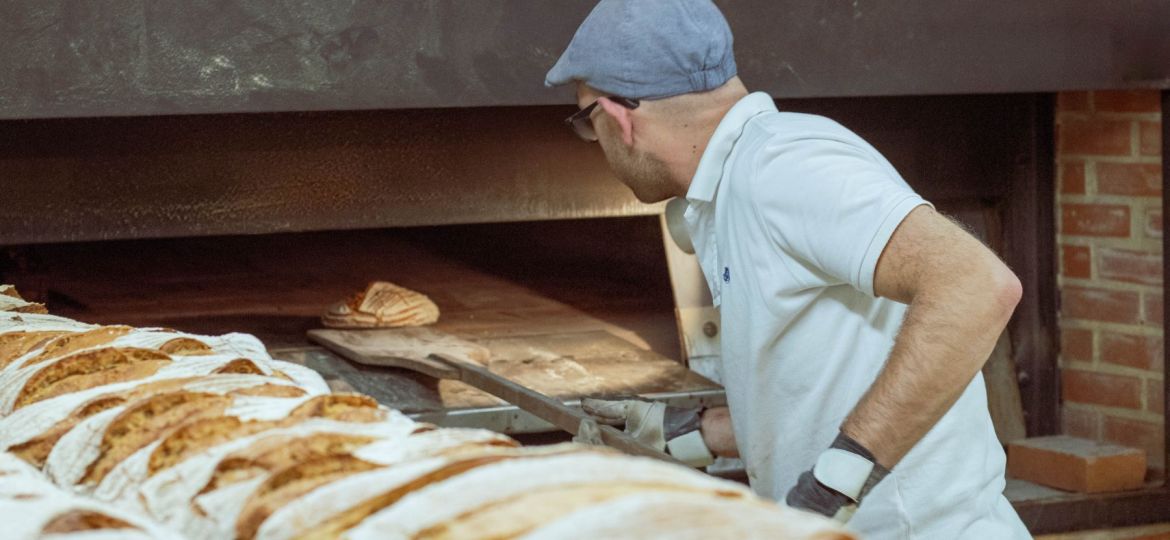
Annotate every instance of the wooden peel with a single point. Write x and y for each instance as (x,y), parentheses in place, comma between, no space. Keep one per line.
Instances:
(444,356)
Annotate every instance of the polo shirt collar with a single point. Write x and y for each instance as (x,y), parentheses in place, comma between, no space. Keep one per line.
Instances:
(710,170)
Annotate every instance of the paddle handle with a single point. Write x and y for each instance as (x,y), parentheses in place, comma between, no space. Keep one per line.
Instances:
(547,408)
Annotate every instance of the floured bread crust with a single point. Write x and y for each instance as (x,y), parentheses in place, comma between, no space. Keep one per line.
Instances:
(11,301)
(185,346)
(341,505)
(146,433)
(344,407)
(280,452)
(36,451)
(382,305)
(496,483)
(73,342)
(291,482)
(147,420)
(205,433)
(87,369)
(32,431)
(14,345)
(201,434)
(687,516)
(31,507)
(35,322)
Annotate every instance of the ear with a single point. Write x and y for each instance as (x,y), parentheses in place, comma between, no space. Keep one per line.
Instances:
(622,116)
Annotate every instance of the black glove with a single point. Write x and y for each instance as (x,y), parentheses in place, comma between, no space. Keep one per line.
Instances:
(841,478)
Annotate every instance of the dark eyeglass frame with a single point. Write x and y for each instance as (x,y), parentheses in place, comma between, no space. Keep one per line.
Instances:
(582,121)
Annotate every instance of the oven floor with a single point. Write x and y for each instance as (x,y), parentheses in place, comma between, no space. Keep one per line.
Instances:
(569,330)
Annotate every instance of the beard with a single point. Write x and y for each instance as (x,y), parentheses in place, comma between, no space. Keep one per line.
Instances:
(645,174)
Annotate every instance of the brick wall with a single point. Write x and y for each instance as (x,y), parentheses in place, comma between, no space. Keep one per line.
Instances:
(1109,222)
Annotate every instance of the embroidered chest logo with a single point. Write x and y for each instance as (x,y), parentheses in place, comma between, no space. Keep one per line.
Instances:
(726,274)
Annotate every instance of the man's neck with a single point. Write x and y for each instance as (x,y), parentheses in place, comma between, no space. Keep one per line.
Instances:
(693,140)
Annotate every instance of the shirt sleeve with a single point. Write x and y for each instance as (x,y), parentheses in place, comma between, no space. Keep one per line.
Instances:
(832,205)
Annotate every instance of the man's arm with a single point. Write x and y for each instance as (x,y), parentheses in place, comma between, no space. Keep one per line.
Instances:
(961,297)
(717,433)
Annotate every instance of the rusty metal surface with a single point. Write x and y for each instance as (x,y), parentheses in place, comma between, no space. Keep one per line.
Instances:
(96,179)
(150,177)
(128,57)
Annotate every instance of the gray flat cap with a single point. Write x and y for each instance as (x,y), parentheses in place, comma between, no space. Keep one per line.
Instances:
(649,49)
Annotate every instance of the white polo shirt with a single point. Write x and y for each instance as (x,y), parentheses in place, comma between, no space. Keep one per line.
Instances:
(789,214)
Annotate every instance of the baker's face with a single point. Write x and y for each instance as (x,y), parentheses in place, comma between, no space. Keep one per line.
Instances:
(637,167)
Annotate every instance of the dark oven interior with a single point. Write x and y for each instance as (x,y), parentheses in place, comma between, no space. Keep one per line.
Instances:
(255,223)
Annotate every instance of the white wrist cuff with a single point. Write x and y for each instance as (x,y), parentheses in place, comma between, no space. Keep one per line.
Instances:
(843,471)
(690,449)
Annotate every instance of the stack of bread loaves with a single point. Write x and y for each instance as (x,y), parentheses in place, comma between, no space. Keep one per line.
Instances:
(117,432)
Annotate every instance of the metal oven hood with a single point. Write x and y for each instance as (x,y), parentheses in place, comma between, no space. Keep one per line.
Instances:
(128,57)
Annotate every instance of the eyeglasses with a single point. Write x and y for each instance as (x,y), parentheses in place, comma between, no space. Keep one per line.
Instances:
(582,121)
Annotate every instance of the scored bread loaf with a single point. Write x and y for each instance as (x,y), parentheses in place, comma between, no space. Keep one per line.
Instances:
(96,368)
(248,415)
(32,431)
(69,343)
(687,516)
(382,305)
(36,322)
(14,345)
(31,507)
(261,505)
(441,504)
(112,438)
(197,436)
(169,494)
(336,507)
(35,381)
(154,433)
(11,301)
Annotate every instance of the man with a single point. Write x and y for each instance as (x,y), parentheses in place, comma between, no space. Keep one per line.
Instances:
(855,318)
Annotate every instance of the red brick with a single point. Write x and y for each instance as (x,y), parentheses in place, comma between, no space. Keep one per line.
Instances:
(1138,434)
(1076,344)
(1094,136)
(1154,223)
(1101,389)
(1143,179)
(1155,396)
(1072,177)
(1100,305)
(1129,266)
(1076,261)
(1095,219)
(1151,141)
(1152,307)
(1076,464)
(1072,101)
(1127,101)
(1080,423)
(1141,352)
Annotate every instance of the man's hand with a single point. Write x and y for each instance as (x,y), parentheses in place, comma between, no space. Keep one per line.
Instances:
(841,478)
(643,419)
(656,425)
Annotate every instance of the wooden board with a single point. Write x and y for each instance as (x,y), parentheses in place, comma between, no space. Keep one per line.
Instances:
(276,287)
(407,348)
(565,366)
(1003,392)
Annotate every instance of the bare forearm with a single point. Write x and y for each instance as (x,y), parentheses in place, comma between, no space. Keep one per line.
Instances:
(717,432)
(945,339)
